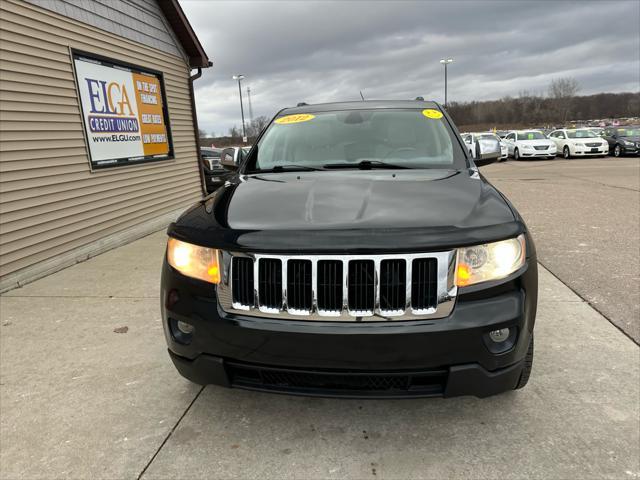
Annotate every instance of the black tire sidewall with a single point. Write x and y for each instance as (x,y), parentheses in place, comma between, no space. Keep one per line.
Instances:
(516,154)
(566,153)
(617,151)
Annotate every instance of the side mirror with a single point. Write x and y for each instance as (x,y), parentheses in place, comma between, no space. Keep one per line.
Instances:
(229,159)
(487,151)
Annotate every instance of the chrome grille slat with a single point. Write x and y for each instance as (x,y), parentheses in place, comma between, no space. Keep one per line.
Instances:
(385,294)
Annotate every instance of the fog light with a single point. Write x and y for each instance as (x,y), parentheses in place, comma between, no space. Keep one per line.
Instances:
(499,336)
(187,328)
(182,332)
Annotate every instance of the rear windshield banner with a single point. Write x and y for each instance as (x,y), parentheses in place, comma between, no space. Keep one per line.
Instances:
(124,112)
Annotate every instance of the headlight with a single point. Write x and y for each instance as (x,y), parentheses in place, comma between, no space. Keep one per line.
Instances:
(528,147)
(194,261)
(627,143)
(491,261)
(578,144)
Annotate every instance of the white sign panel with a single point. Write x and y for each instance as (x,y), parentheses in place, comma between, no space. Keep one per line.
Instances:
(123,113)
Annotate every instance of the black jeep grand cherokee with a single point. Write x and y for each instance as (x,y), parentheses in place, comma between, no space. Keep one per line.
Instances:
(356,252)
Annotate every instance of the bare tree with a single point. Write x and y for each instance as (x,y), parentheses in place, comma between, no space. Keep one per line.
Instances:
(234,132)
(563,87)
(256,126)
(563,90)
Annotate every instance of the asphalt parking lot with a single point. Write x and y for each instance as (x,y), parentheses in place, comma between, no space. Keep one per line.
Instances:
(585,218)
(88,391)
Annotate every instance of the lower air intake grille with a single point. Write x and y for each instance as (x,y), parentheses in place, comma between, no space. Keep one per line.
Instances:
(337,383)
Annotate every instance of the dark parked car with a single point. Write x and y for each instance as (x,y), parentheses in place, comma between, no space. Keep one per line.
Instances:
(214,174)
(623,140)
(357,251)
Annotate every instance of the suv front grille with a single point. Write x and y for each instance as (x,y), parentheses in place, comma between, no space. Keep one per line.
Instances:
(243,281)
(299,294)
(393,285)
(423,283)
(354,287)
(270,283)
(361,287)
(330,298)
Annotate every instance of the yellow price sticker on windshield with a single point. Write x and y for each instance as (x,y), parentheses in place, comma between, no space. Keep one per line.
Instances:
(301,117)
(432,113)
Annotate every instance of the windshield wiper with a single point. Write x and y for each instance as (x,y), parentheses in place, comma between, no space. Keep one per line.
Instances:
(365,165)
(292,168)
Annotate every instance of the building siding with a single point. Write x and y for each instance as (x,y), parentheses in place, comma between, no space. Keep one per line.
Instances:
(50,201)
(141,21)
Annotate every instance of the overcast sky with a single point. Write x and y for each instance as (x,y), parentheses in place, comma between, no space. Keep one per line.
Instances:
(327,51)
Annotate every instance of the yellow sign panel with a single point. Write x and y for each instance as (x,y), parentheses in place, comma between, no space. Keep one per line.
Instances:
(299,118)
(431,113)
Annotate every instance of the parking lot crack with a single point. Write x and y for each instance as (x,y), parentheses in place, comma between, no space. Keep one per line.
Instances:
(173,429)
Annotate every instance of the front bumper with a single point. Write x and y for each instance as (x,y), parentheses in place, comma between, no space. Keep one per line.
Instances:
(628,150)
(470,379)
(538,153)
(587,151)
(447,357)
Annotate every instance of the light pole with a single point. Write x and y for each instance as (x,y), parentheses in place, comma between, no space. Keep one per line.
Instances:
(445,63)
(239,79)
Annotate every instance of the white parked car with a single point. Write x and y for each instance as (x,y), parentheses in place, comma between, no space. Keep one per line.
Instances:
(529,144)
(579,142)
(470,142)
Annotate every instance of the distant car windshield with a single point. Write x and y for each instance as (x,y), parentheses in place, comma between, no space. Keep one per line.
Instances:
(210,153)
(583,133)
(629,132)
(530,136)
(407,138)
(488,135)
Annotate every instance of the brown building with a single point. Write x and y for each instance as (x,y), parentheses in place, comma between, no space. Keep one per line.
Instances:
(98,142)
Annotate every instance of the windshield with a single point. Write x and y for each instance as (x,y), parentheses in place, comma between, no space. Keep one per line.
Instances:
(210,153)
(629,132)
(403,138)
(581,134)
(530,136)
(488,135)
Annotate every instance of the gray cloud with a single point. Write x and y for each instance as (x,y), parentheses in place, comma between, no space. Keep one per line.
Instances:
(328,51)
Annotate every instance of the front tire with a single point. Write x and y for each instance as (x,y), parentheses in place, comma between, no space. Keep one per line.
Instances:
(566,153)
(526,369)
(516,154)
(617,151)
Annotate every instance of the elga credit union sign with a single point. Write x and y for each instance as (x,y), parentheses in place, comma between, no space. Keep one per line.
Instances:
(124,112)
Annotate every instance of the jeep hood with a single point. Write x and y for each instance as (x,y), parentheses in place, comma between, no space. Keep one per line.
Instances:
(336,210)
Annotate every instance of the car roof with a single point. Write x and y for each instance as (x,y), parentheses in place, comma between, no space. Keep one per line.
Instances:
(361,105)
